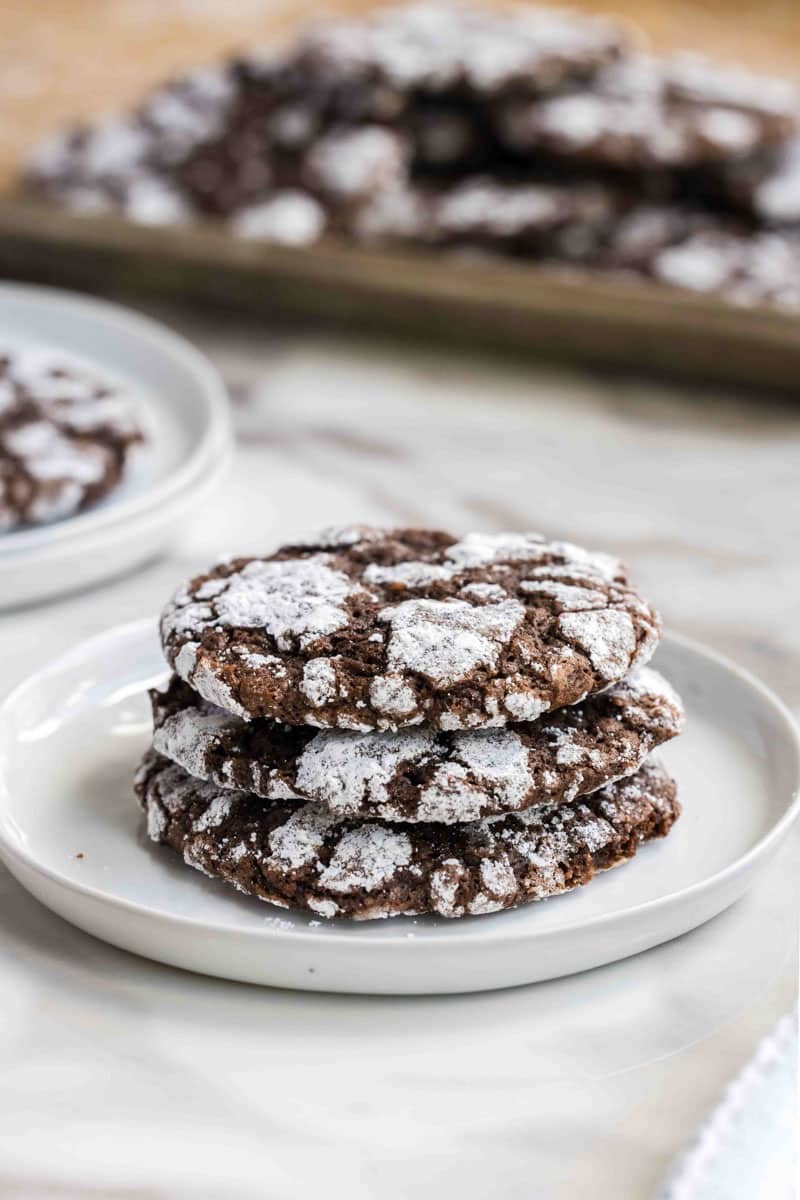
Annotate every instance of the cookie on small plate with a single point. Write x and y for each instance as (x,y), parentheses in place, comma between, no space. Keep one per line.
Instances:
(423,774)
(369,628)
(308,857)
(65,437)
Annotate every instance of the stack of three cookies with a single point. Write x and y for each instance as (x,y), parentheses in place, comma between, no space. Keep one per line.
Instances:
(386,722)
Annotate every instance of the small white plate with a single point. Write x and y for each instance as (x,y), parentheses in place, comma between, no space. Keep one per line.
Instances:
(183,408)
(71,833)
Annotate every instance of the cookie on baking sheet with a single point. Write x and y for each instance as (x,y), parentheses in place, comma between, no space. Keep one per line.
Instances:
(369,628)
(485,211)
(65,436)
(307,857)
(768,188)
(646,230)
(375,64)
(535,218)
(749,269)
(644,113)
(127,163)
(421,774)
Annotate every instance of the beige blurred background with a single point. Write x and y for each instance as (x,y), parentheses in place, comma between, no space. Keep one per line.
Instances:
(61,59)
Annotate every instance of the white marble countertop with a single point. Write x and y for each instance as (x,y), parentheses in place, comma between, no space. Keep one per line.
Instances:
(120,1078)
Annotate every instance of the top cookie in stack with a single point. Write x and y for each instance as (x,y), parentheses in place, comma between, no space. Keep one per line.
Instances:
(399,721)
(373,629)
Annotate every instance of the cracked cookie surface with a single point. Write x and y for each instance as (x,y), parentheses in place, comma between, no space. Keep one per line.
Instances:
(369,628)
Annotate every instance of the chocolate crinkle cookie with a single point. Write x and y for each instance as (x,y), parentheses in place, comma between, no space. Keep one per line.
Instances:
(455,50)
(369,628)
(533,218)
(308,857)
(766,188)
(423,774)
(751,270)
(65,436)
(641,113)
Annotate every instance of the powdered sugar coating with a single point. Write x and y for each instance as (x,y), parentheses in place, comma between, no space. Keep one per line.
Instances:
(353,164)
(524,707)
(298,841)
(298,600)
(444,640)
(365,858)
(491,762)
(349,772)
(129,161)
(214,689)
(456,48)
(307,858)
(392,695)
(420,774)
(406,626)
(319,682)
(567,596)
(349,131)
(644,112)
(607,637)
(289,218)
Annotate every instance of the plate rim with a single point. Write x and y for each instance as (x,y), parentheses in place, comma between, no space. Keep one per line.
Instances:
(216,438)
(460,935)
(94,540)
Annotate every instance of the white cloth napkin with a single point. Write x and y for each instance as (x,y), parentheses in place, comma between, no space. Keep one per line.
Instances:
(747,1148)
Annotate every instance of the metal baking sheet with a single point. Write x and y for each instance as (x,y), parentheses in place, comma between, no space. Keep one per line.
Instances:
(619,322)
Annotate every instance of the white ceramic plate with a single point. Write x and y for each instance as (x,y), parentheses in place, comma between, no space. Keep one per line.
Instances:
(71,832)
(184,409)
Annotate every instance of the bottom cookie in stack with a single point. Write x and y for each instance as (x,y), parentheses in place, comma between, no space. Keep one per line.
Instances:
(304,856)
